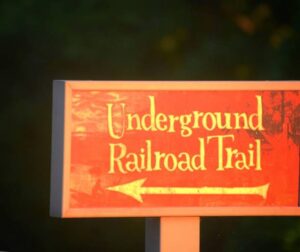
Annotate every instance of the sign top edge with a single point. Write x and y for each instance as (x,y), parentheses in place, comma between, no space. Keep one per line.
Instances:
(181,85)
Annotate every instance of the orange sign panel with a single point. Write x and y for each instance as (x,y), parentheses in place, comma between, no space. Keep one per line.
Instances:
(173,148)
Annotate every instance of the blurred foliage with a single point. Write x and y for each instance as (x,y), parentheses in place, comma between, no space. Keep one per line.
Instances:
(115,39)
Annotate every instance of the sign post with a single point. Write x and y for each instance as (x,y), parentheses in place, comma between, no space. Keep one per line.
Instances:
(175,150)
(173,234)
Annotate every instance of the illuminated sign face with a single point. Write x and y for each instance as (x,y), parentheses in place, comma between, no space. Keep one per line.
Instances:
(143,149)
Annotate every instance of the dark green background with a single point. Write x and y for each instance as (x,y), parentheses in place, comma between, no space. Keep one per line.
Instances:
(127,40)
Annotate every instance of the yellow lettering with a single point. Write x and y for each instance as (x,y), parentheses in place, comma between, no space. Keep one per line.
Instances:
(220,143)
(110,121)
(209,118)
(257,116)
(161,120)
(116,160)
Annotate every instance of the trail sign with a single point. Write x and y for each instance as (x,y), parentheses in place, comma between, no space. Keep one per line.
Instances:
(174,148)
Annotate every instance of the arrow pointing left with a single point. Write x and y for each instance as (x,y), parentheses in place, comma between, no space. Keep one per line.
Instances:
(135,189)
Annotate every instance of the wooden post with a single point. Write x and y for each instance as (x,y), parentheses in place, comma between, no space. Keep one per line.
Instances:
(173,234)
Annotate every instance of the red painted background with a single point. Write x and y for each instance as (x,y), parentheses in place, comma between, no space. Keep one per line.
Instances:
(90,140)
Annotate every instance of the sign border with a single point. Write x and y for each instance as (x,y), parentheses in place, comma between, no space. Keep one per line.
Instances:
(61,149)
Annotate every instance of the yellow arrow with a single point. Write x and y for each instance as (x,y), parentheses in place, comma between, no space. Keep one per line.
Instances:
(135,190)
